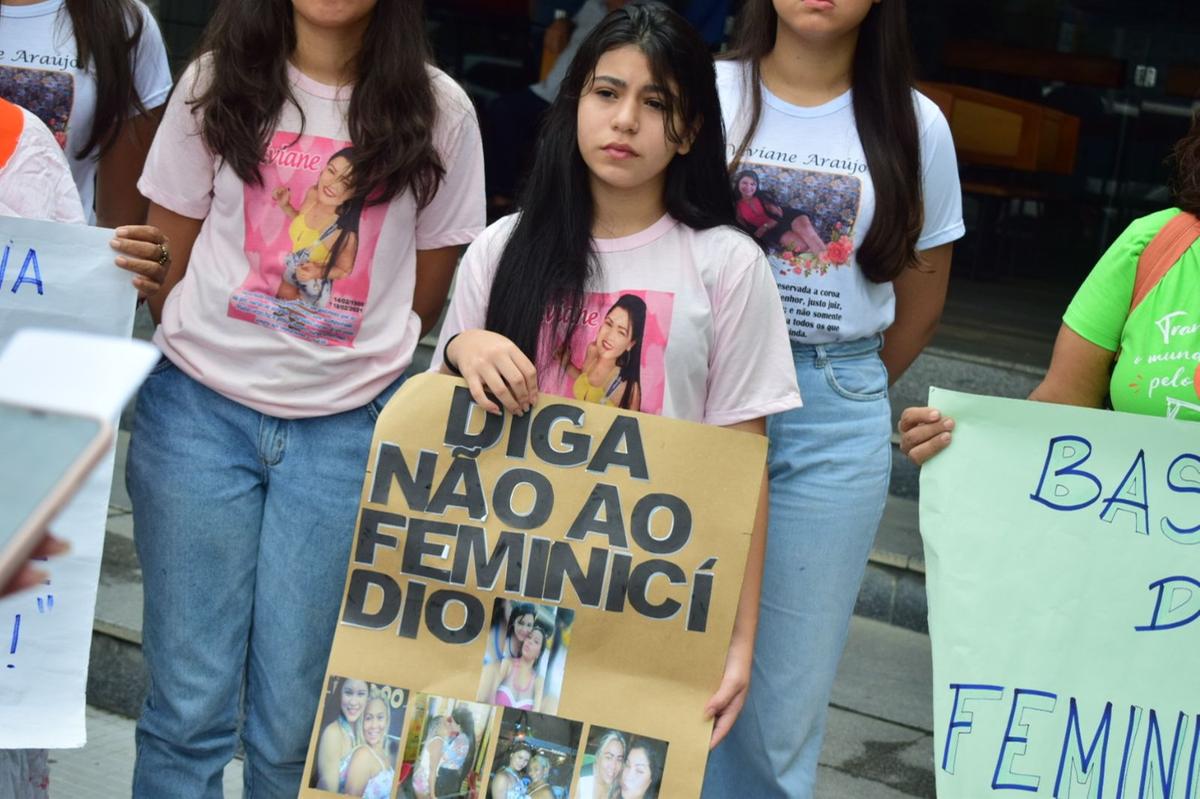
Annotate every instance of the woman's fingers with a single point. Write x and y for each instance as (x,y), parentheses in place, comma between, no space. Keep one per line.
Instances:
(50,546)
(924,432)
(475,386)
(144,252)
(499,388)
(29,575)
(528,372)
(725,706)
(514,380)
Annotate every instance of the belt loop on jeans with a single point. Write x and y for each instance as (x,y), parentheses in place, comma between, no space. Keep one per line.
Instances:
(820,356)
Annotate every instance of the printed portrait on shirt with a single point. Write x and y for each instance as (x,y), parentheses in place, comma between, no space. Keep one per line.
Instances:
(309,242)
(615,356)
(803,219)
(48,94)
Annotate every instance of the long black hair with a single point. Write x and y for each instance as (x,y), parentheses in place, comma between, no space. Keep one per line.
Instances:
(466,723)
(548,261)
(392,107)
(629,363)
(655,756)
(884,113)
(348,215)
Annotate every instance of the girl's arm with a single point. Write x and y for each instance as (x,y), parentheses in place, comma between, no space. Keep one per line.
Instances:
(727,702)
(363,766)
(486,681)
(501,675)
(181,232)
(500,785)
(328,758)
(1078,375)
(635,396)
(283,198)
(345,263)
(118,201)
(539,687)
(435,270)
(920,297)
(435,762)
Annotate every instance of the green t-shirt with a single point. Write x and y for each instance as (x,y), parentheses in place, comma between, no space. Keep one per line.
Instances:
(1159,343)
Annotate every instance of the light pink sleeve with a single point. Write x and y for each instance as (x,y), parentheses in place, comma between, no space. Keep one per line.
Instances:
(751,373)
(472,287)
(180,168)
(457,213)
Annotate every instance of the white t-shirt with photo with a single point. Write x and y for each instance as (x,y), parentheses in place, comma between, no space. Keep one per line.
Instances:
(697,307)
(297,301)
(40,71)
(812,180)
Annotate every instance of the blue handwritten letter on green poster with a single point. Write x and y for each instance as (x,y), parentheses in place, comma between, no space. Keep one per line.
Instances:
(1064,602)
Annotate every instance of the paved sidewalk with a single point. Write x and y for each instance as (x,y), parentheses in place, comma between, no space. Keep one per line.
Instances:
(104,768)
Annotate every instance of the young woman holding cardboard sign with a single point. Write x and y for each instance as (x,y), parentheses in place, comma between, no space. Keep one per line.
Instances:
(261,396)
(628,196)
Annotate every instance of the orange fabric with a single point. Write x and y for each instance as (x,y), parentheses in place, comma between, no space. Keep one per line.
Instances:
(1163,251)
(12,123)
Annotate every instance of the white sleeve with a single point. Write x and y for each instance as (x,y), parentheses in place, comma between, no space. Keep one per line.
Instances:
(751,373)
(469,296)
(940,185)
(151,71)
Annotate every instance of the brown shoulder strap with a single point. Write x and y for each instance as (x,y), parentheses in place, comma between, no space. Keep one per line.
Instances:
(1163,252)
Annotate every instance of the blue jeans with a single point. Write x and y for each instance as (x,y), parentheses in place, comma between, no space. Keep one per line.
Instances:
(243,524)
(829,466)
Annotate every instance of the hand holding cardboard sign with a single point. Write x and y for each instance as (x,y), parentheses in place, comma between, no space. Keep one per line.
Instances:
(491,363)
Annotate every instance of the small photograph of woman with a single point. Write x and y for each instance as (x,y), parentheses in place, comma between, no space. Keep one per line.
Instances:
(445,747)
(344,702)
(641,774)
(505,640)
(510,780)
(775,227)
(611,370)
(359,739)
(458,753)
(601,771)
(525,669)
(323,232)
(535,756)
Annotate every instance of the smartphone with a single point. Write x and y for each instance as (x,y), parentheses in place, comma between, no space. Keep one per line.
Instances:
(44,458)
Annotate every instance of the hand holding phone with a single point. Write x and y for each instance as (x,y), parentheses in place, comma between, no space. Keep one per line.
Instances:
(30,575)
(44,457)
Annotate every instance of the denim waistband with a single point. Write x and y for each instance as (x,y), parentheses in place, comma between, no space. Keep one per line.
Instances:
(820,354)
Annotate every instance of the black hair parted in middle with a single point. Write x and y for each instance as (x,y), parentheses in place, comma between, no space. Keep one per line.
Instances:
(548,259)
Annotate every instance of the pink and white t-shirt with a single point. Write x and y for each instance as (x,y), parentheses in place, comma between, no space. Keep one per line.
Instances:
(680,322)
(295,302)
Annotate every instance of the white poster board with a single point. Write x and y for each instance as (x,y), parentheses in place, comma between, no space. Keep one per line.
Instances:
(60,277)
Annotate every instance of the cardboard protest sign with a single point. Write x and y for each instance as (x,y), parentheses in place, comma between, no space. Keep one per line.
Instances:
(1064,601)
(548,589)
(60,277)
